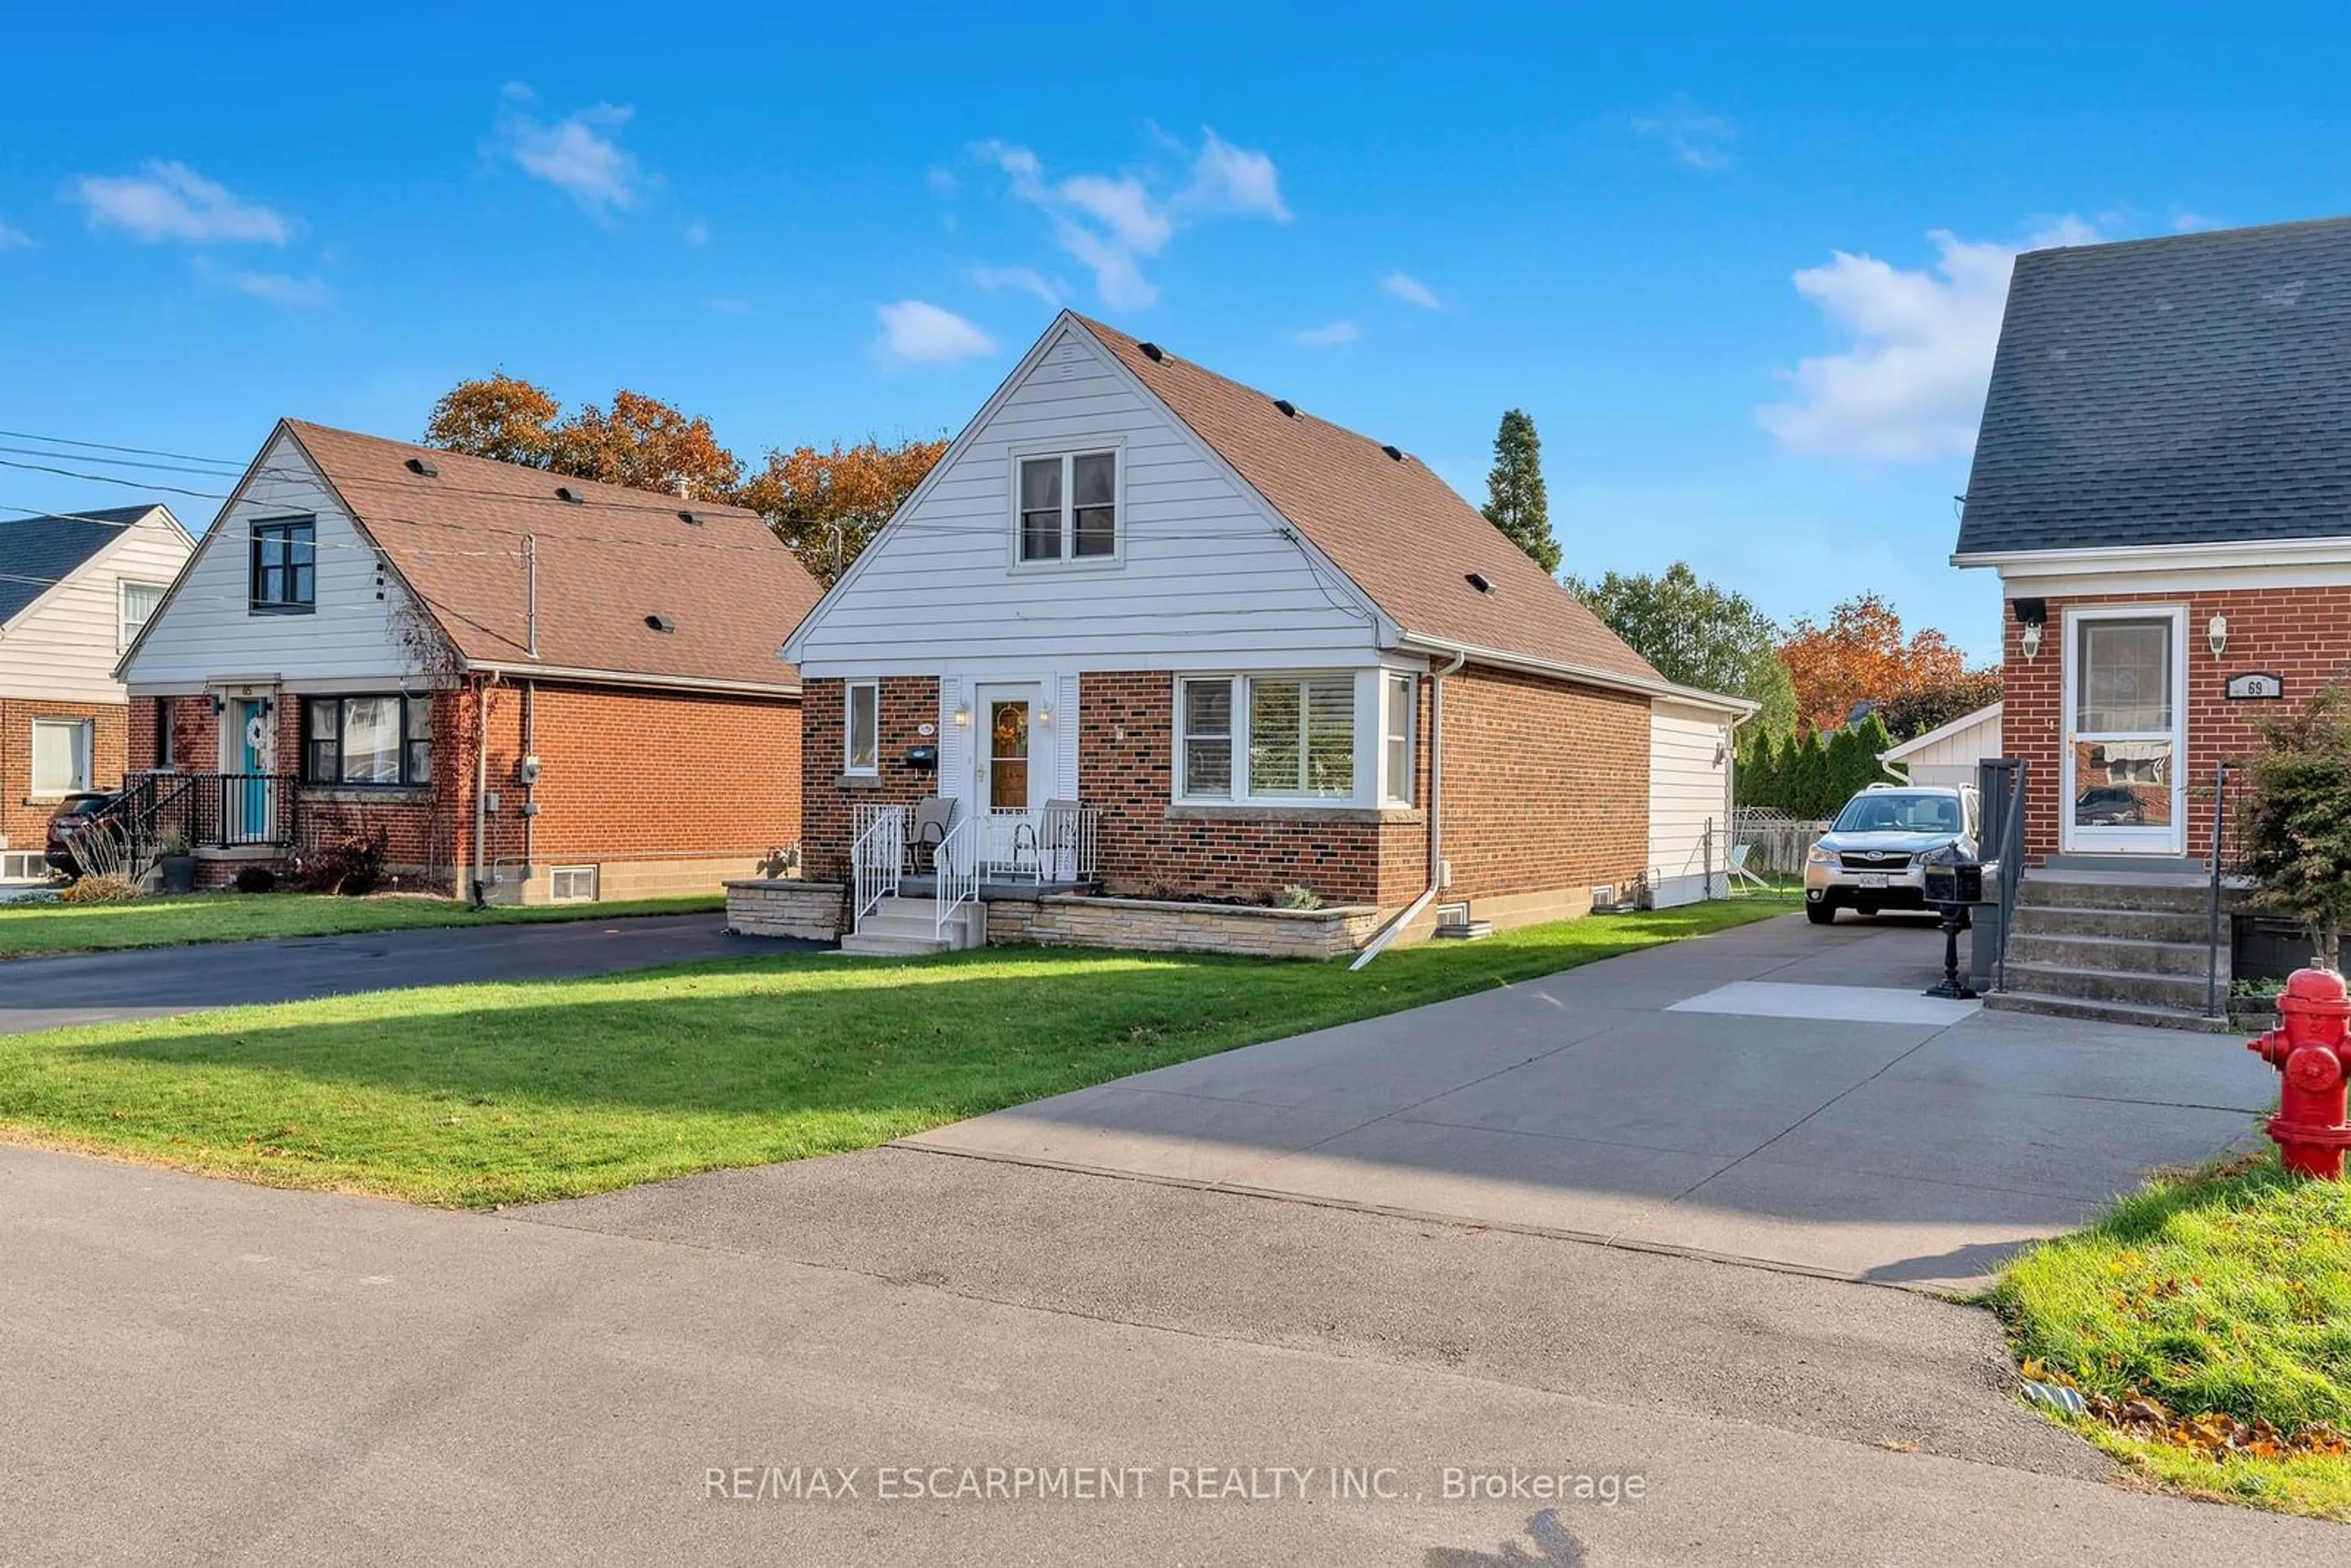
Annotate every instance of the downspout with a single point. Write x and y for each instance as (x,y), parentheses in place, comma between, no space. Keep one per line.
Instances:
(1729,801)
(480,784)
(530,789)
(1378,944)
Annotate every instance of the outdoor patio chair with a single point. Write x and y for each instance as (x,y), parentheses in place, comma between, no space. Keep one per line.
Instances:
(1740,875)
(1057,836)
(925,829)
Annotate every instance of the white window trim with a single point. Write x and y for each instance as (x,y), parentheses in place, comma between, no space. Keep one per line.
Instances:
(85,763)
(1363,760)
(849,729)
(123,634)
(1390,794)
(1116,449)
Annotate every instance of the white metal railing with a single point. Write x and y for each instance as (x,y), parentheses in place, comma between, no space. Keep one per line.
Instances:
(1058,843)
(877,858)
(957,871)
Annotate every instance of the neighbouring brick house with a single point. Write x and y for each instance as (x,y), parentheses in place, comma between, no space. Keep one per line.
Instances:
(2161,482)
(1155,632)
(75,589)
(551,688)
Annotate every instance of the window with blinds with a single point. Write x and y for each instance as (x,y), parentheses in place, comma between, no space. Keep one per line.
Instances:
(1267,737)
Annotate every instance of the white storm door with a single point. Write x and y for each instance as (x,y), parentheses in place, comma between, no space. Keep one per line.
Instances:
(1013,752)
(2123,766)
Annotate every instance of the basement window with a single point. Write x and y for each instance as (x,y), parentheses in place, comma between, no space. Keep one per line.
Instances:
(572,885)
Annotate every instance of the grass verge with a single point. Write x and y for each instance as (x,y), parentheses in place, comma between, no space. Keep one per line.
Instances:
(31,930)
(506,1093)
(2208,1318)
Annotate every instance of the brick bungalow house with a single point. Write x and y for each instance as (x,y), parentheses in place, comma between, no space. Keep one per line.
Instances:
(2163,483)
(1155,633)
(75,589)
(549,688)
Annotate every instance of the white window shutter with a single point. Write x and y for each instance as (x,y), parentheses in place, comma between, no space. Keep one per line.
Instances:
(955,742)
(1065,746)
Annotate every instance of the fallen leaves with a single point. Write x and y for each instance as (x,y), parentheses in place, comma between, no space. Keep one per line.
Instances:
(2210,1434)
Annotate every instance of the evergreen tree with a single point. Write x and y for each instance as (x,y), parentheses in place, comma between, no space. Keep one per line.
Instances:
(1515,500)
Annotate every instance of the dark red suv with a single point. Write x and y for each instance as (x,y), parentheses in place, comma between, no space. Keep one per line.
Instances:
(76,815)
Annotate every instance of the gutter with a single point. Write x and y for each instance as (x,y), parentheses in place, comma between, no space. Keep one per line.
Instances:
(500,668)
(1582,674)
(1378,944)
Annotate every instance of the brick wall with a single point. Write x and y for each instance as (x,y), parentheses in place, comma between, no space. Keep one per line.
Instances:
(827,798)
(1126,722)
(2301,633)
(24,821)
(1546,785)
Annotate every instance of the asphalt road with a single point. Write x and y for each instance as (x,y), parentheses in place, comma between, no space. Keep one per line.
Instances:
(199,1371)
(155,982)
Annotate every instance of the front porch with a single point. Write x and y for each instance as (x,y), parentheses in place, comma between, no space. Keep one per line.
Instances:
(921,875)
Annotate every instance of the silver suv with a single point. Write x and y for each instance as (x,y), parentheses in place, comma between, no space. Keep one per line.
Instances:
(1874,855)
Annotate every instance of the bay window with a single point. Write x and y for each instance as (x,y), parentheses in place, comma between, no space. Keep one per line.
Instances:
(1396,714)
(367,740)
(1267,737)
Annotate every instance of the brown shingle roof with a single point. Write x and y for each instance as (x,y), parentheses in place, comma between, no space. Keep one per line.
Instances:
(1391,524)
(731,589)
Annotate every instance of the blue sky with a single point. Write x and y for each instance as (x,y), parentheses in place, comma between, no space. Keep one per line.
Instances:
(1746,281)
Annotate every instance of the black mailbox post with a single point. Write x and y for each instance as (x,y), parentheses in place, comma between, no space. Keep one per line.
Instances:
(1953,883)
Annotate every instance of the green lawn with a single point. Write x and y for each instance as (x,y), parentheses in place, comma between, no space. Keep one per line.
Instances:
(26,929)
(506,1094)
(2223,1297)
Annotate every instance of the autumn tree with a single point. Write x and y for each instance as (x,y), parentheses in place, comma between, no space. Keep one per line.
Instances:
(1860,655)
(1516,501)
(1699,634)
(1933,706)
(827,504)
(499,416)
(639,442)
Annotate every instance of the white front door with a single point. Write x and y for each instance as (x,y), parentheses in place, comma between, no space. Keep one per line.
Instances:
(2125,744)
(1013,754)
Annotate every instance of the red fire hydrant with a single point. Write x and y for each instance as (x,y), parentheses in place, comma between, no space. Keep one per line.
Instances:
(2311,1047)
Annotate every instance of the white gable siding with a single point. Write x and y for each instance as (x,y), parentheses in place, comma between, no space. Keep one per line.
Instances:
(206,632)
(1950,755)
(1689,794)
(64,645)
(1207,578)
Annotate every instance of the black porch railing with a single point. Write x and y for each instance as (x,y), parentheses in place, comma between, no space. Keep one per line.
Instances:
(2000,788)
(212,811)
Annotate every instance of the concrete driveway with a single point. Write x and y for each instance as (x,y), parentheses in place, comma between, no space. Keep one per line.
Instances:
(1776,1094)
(157,982)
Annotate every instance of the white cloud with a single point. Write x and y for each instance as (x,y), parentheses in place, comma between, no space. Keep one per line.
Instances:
(1235,180)
(1912,384)
(1330,337)
(1411,290)
(1112,224)
(1699,138)
(914,332)
(1048,292)
(168,200)
(580,155)
(12,239)
(280,288)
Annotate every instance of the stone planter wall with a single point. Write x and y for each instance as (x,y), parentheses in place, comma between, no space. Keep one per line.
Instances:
(1076,920)
(764,907)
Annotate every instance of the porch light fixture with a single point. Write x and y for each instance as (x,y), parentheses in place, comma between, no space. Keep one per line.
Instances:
(963,716)
(2216,633)
(2030,614)
(1044,715)
(2032,638)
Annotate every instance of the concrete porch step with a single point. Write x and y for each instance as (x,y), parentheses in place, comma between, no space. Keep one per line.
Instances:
(2174,894)
(2127,924)
(2025,1001)
(866,944)
(2124,955)
(2183,993)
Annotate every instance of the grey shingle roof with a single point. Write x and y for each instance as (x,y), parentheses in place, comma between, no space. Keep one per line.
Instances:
(38,551)
(2190,390)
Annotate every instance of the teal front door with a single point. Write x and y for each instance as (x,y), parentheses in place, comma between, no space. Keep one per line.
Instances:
(249,806)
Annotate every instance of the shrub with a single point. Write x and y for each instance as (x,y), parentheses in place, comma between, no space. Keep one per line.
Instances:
(348,859)
(101,887)
(1298,895)
(2296,821)
(256,879)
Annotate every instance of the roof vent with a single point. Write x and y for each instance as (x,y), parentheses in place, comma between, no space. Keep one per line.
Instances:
(1392,452)
(1479,580)
(1289,409)
(1151,352)
(565,493)
(692,519)
(661,623)
(425,466)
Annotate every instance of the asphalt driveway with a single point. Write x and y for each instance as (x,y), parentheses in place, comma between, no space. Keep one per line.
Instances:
(1779,1094)
(156,982)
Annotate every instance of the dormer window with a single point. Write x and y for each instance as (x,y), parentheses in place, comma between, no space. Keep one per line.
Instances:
(1069,507)
(284,574)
